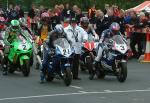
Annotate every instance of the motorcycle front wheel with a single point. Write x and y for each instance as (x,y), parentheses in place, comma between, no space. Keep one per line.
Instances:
(67,76)
(26,68)
(122,74)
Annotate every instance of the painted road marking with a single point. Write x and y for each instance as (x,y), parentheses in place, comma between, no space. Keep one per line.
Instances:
(77,93)
(77,87)
(107,91)
(82,91)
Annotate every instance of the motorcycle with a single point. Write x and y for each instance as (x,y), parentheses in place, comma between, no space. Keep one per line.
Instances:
(60,62)
(114,60)
(20,55)
(88,53)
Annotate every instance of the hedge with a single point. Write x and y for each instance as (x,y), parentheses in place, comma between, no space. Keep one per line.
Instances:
(84,4)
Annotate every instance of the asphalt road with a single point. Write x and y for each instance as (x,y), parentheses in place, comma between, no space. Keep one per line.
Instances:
(15,88)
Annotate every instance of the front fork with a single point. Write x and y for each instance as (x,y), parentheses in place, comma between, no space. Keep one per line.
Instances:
(64,67)
(118,63)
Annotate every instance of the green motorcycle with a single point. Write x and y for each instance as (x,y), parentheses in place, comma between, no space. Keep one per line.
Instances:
(20,55)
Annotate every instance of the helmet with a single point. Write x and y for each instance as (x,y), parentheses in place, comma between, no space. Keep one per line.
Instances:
(114,27)
(15,25)
(2,19)
(59,29)
(45,14)
(84,21)
(22,21)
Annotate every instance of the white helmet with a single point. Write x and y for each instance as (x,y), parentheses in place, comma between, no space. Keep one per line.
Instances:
(59,29)
(22,21)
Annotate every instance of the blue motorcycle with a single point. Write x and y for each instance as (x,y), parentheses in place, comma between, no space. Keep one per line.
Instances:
(61,62)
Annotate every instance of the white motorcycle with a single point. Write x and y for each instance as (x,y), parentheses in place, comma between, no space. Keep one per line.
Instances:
(114,59)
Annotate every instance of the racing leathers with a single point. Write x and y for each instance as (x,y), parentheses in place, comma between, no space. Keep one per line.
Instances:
(92,35)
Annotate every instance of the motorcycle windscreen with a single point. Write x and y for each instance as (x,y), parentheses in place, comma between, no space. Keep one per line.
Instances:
(118,39)
(120,44)
(62,42)
(62,47)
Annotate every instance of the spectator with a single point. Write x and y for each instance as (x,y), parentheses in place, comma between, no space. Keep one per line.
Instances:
(78,15)
(10,8)
(21,12)
(127,18)
(109,15)
(50,12)
(91,14)
(122,21)
(42,9)
(116,10)
(112,18)
(66,13)
(3,13)
(57,10)
(61,7)
(55,19)
(31,12)
(74,11)
(12,13)
(75,8)
(136,35)
(101,22)
(106,8)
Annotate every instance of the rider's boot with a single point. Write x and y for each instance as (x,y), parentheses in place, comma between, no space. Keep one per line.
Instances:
(5,71)
(4,65)
(93,70)
(42,77)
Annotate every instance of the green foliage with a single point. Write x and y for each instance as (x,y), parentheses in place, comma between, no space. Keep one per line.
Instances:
(84,4)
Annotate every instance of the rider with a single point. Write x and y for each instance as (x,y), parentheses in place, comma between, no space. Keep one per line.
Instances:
(85,24)
(92,36)
(48,46)
(114,29)
(11,33)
